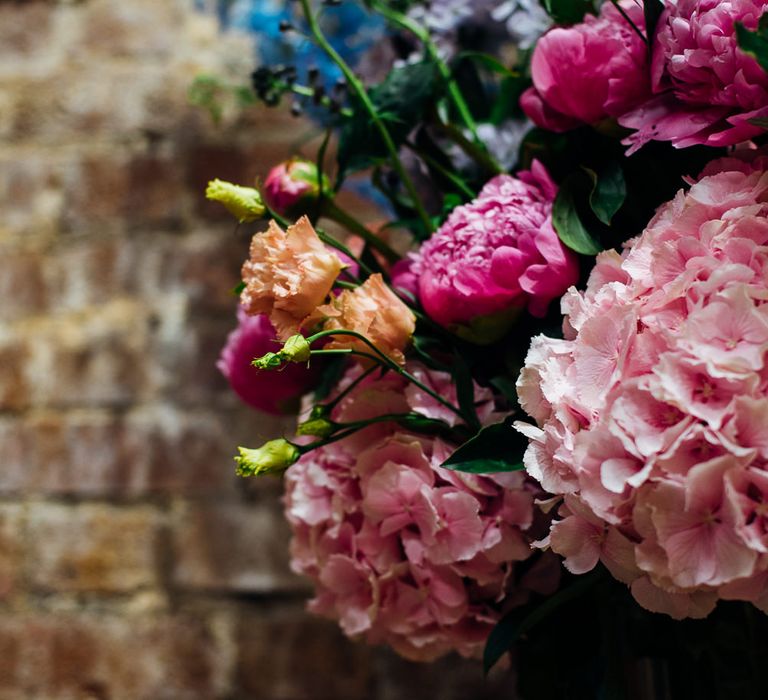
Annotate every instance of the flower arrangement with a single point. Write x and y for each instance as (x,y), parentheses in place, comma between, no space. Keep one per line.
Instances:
(534,401)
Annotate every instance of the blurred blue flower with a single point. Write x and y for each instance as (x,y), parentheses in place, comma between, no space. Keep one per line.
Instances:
(348,26)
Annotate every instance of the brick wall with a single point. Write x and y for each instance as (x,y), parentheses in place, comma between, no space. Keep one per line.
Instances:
(133,565)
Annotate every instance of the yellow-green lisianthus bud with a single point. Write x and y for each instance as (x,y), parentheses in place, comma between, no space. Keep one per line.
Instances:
(273,457)
(272,360)
(296,349)
(316,427)
(244,203)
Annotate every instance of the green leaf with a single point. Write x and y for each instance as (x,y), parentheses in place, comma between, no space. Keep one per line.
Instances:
(568,11)
(652,10)
(521,620)
(496,448)
(609,190)
(400,100)
(755,43)
(762,122)
(567,222)
(237,291)
(465,388)
(489,63)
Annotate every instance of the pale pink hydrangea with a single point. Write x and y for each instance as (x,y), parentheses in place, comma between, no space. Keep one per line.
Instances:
(707,90)
(402,551)
(496,254)
(652,414)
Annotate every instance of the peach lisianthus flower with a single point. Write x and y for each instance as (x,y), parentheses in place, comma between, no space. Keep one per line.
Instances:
(288,275)
(375,311)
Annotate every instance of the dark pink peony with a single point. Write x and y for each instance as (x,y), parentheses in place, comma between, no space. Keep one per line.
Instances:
(273,392)
(588,72)
(706,89)
(495,255)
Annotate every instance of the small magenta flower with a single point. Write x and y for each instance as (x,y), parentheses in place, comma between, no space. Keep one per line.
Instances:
(293,186)
(244,203)
(273,457)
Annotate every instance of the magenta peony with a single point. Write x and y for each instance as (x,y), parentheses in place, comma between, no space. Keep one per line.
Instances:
(273,392)
(292,186)
(706,89)
(400,550)
(590,71)
(495,255)
(653,415)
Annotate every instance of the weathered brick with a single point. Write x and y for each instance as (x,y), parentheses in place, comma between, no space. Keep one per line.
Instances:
(89,547)
(284,654)
(14,389)
(78,657)
(231,546)
(12,550)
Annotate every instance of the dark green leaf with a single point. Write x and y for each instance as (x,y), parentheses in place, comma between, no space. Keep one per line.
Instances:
(400,101)
(519,621)
(762,122)
(334,369)
(488,62)
(609,190)
(496,448)
(465,388)
(567,222)
(237,291)
(652,10)
(568,11)
(755,43)
(506,385)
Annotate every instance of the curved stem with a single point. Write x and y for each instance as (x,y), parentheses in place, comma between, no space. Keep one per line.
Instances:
(362,94)
(435,165)
(390,364)
(479,155)
(405,22)
(332,211)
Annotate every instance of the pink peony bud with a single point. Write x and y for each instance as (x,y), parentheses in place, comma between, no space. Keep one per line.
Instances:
(292,187)
(273,392)
(589,72)
(494,256)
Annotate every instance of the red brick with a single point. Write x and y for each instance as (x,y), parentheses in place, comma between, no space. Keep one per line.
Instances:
(22,285)
(285,654)
(99,548)
(232,546)
(12,550)
(109,656)
(14,388)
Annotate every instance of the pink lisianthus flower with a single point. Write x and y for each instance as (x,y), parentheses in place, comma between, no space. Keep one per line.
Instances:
(706,89)
(494,256)
(590,71)
(402,551)
(272,392)
(292,186)
(651,415)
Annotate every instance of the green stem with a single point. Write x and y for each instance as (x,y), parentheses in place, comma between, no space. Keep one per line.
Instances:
(332,211)
(334,402)
(364,98)
(405,22)
(331,241)
(479,155)
(325,101)
(624,14)
(390,364)
(435,165)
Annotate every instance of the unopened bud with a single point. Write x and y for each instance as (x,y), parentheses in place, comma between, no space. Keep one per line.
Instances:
(273,457)
(244,203)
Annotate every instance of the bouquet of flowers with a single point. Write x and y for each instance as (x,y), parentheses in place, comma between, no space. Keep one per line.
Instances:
(533,401)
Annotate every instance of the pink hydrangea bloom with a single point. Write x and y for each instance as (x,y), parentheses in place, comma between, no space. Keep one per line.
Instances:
(590,71)
(402,551)
(706,89)
(273,392)
(495,254)
(652,416)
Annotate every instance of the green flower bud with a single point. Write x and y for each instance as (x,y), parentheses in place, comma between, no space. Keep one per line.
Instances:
(273,457)
(244,203)
(272,360)
(296,349)
(316,427)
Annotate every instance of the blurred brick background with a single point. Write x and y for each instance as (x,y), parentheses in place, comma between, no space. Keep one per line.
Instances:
(133,565)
